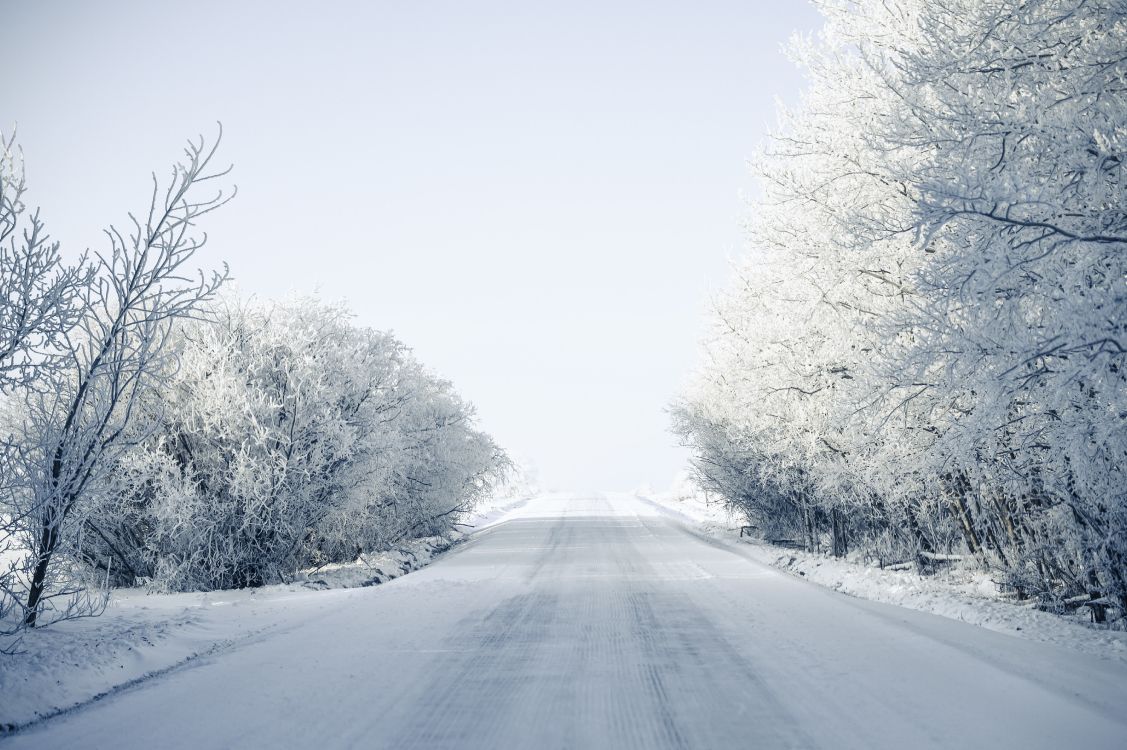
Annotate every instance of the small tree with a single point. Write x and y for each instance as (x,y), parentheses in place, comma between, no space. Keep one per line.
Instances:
(38,295)
(83,419)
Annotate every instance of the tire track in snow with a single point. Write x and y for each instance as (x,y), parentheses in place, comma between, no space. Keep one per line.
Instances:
(492,658)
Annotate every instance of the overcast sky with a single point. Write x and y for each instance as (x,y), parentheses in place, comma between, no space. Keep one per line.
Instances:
(539,198)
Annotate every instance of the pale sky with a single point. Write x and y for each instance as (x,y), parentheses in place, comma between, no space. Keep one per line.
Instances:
(539,198)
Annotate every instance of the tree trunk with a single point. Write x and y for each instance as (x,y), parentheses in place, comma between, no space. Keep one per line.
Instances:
(841,548)
(957,486)
(48,541)
(922,542)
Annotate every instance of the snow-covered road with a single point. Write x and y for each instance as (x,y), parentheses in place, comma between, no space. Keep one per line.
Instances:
(597,622)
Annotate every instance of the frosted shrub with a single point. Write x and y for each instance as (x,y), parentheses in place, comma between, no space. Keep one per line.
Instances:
(288,437)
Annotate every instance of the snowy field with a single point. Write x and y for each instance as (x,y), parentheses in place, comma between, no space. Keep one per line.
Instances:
(582,621)
(959,593)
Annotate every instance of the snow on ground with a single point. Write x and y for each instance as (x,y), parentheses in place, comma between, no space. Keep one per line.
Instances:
(602,622)
(142,634)
(524,597)
(961,594)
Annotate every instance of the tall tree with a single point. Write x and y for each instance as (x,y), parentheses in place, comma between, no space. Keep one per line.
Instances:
(927,332)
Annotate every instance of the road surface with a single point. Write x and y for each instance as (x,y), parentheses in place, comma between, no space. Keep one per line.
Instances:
(597,622)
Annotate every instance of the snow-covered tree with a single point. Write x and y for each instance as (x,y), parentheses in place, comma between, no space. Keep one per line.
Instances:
(287,437)
(37,310)
(82,416)
(926,342)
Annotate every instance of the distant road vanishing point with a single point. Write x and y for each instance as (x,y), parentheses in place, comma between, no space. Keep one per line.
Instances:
(598,622)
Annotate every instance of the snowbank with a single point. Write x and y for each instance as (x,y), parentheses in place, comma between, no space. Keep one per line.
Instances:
(142,635)
(960,594)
